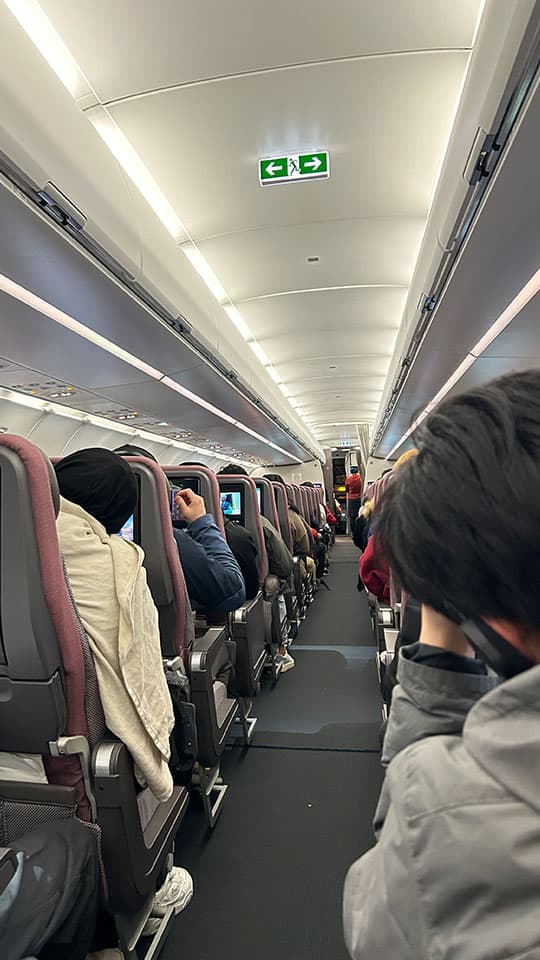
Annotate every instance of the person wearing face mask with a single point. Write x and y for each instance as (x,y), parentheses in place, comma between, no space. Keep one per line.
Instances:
(456,867)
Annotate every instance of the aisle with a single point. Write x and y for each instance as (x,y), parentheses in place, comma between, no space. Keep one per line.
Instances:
(268,881)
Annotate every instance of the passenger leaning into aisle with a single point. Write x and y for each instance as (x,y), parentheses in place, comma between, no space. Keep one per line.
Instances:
(456,869)
(373,568)
(108,580)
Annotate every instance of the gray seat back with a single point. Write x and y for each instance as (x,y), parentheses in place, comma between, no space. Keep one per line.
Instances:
(268,502)
(206,486)
(252,520)
(281,500)
(33,694)
(292,494)
(153,531)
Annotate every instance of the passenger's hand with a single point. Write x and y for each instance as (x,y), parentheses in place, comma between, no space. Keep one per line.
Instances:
(190,505)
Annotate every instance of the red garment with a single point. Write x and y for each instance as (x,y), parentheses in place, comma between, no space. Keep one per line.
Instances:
(353,486)
(374,572)
(330,518)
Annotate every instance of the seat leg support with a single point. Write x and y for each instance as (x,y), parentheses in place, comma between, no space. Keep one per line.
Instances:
(246,721)
(129,930)
(212,791)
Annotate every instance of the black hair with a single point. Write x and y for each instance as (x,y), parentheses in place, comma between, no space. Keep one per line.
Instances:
(234,468)
(460,525)
(275,477)
(307,483)
(130,450)
(101,483)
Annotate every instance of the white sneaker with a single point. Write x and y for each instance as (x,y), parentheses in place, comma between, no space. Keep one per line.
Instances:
(176,892)
(285,661)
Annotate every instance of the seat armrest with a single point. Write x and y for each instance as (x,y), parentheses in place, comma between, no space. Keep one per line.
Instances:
(133,855)
(8,866)
(206,648)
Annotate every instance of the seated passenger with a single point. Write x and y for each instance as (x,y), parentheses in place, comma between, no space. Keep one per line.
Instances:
(456,869)
(243,546)
(374,571)
(301,538)
(280,561)
(49,907)
(213,577)
(108,581)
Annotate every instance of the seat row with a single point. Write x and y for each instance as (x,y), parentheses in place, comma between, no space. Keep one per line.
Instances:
(49,698)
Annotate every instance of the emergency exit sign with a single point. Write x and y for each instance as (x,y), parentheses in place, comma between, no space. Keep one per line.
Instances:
(298,166)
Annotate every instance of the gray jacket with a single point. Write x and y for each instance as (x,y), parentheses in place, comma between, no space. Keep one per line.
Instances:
(455,874)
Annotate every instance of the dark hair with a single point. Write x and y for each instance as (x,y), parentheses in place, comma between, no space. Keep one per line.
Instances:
(235,469)
(275,477)
(307,483)
(129,450)
(191,463)
(460,523)
(101,483)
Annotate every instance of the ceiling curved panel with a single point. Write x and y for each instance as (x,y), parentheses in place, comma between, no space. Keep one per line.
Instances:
(385,121)
(373,251)
(185,42)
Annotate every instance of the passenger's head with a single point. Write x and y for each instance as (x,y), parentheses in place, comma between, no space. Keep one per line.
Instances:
(234,468)
(460,522)
(101,483)
(354,469)
(275,477)
(130,450)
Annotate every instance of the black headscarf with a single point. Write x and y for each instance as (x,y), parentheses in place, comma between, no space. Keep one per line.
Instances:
(101,483)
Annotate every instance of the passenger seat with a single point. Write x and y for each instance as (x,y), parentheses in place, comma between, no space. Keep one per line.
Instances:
(50,708)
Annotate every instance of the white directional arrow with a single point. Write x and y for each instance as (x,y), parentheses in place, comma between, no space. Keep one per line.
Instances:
(314,164)
(273,168)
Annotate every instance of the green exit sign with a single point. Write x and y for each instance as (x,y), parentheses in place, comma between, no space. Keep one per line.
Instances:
(297,166)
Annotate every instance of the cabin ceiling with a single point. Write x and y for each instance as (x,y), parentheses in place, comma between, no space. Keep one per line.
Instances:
(202,91)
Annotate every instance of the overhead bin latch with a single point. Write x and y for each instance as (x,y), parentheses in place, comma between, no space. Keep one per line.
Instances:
(482,158)
(61,207)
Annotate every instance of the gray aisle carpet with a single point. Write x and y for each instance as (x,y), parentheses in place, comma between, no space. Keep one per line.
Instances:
(268,880)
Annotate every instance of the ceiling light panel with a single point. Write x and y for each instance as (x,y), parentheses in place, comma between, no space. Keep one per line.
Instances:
(130,161)
(51,46)
(259,353)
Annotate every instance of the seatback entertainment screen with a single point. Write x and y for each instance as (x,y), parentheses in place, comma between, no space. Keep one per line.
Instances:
(127,530)
(231,504)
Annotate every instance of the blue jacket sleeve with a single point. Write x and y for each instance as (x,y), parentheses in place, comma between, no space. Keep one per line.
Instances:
(213,578)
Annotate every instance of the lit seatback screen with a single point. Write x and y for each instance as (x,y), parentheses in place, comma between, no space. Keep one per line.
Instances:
(231,504)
